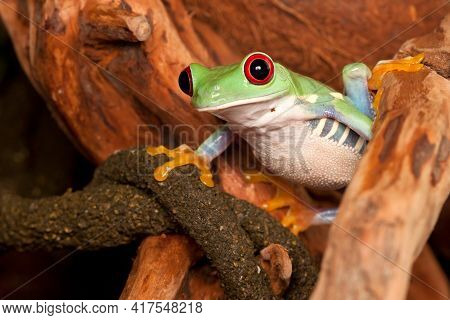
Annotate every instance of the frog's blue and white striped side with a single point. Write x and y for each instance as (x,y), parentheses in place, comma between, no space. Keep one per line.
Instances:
(338,132)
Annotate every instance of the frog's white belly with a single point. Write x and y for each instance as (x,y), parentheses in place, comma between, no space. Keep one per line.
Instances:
(321,154)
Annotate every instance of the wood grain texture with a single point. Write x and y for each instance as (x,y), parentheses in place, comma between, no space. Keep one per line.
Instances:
(109,23)
(107,95)
(435,46)
(394,200)
(429,281)
(111,95)
(160,268)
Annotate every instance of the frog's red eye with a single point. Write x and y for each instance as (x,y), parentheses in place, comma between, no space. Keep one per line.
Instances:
(258,69)
(185,81)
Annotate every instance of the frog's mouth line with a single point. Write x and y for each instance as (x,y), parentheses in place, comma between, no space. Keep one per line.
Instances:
(244,101)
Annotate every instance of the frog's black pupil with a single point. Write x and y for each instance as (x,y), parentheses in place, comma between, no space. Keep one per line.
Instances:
(184,81)
(259,69)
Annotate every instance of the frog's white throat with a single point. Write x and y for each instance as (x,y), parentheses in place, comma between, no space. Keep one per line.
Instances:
(256,112)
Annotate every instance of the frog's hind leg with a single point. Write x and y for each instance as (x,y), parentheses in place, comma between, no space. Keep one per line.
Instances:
(299,215)
(356,76)
(325,216)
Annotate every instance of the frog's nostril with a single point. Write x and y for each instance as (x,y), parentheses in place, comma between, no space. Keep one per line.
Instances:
(185,81)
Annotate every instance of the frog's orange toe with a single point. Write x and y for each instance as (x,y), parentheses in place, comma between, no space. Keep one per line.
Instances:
(183,155)
(408,64)
(298,217)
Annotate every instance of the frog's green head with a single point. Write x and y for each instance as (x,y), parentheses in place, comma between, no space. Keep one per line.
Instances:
(256,79)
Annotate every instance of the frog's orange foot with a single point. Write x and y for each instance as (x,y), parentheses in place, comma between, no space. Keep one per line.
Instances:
(408,64)
(298,217)
(183,155)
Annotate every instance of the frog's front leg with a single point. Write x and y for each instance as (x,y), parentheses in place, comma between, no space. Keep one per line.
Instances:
(356,76)
(201,158)
(215,144)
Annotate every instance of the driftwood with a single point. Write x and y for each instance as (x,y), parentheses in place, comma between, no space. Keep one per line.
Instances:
(389,216)
(106,85)
(155,273)
(162,270)
(101,84)
(110,23)
(428,280)
(394,200)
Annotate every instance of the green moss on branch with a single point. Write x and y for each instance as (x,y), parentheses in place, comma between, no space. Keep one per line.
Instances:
(124,202)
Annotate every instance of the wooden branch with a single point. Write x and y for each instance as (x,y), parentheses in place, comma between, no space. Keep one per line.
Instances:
(108,23)
(108,215)
(429,281)
(393,202)
(225,227)
(122,204)
(107,96)
(276,262)
(435,46)
(109,108)
(136,85)
(202,283)
(155,274)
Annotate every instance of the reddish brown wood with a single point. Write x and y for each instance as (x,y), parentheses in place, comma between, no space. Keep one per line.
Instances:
(103,22)
(429,281)
(160,268)
(435,46)
(104,93)
(202,283)
(110,95)
(393,202)
(276,262)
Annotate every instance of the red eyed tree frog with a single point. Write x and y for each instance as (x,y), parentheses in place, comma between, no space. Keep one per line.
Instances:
(300,129)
